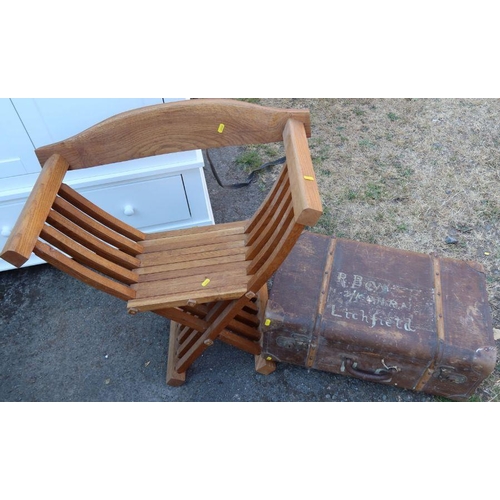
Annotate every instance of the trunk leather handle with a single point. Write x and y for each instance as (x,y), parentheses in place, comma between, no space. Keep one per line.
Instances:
(350,367)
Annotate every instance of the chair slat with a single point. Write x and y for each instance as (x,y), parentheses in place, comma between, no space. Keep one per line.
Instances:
(174,299)
(248,318)
(244,330)
(206,271)
(82,273)
(230,278)
(266,232)
(96,228)
(149,260)
(86,257)
(193,245)
(251,307)
(185,334)
(266,216)
(268,201)
(222,316)
(239,342)
(193,233)
(183,318)
(173,127)
(281,251)
(91,242)
(24,235)
(200,310)
(193,264)
(108,220)
(273,242)
(187,340)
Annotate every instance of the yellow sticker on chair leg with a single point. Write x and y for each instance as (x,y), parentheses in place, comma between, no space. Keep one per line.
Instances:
(206,282)
(221,128)
(268,322)
(308,178)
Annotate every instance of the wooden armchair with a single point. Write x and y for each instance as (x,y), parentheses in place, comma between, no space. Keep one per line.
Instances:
(208,280)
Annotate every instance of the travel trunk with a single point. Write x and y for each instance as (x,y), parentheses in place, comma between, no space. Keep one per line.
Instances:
(383,315)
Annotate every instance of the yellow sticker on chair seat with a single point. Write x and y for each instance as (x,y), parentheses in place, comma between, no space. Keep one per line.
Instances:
(308,178)
(221,128)
(206,282)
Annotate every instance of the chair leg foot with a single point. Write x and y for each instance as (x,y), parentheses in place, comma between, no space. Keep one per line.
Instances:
(174,378)
(264,366)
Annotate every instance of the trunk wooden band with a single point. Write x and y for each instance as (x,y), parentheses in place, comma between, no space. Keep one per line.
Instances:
(438,300)
(313,346)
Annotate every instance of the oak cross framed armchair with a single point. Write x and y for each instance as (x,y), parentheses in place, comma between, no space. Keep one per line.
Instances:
(210,282)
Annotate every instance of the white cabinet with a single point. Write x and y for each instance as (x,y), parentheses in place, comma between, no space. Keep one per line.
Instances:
(17,157)
(153,194)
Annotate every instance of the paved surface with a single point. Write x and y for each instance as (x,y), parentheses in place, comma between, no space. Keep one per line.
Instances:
(61,340)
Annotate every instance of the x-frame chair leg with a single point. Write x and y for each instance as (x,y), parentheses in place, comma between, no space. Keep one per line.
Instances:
(186,343)
(174,378)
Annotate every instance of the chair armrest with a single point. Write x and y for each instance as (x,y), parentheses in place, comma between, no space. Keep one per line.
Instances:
(26,231)
(305,194)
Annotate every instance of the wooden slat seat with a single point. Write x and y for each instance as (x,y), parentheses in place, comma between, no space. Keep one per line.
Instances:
(192,265)
(210,282)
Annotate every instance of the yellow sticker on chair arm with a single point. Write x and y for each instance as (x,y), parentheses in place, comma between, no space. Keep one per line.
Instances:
(221,128)
(308,178)
(206,282)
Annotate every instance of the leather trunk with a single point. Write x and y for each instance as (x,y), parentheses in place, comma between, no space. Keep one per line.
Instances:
(383,315)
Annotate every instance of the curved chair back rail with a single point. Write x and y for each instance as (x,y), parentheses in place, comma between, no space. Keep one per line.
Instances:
(174,127)
(207,280)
